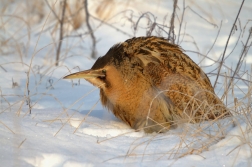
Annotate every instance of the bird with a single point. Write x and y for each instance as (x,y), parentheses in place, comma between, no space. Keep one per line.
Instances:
(152,85)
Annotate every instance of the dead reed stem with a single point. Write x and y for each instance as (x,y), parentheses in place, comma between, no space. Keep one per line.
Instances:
(93,54)
(171,35)
(60,32)
(223,55)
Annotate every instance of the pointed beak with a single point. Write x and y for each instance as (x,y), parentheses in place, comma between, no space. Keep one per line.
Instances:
(85,74)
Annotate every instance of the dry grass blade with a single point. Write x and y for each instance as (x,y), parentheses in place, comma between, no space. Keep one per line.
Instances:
(30,66)
(22,143)
(171,35)
(223,55)
(65,111)
(93,54)
(240,62)
(7,127)
(85,117)
(62,19)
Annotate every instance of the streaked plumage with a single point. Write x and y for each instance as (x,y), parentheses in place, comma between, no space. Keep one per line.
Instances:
(150,83)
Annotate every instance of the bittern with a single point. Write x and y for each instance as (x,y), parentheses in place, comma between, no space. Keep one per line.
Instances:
(150,84)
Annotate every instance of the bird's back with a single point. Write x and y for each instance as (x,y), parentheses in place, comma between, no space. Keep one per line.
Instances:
(169,56)
(179,78)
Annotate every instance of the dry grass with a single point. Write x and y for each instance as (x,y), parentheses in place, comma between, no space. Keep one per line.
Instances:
(194,139)
(18,43)
(197,138)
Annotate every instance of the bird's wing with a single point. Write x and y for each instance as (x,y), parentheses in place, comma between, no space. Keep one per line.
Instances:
(175,62)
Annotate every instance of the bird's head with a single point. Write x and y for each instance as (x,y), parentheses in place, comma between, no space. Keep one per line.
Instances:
(123,64)
(115,70)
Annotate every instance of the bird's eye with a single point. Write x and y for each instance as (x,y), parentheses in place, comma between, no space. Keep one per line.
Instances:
(104,71)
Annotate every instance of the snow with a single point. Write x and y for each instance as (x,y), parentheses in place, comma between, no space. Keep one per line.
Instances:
(69,127)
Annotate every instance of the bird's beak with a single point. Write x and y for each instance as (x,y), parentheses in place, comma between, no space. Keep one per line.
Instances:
(85,74)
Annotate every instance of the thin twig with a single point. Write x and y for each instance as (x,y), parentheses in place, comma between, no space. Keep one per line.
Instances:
(222,59)
(215,39)
(201,16)
(61,32)
(110,25)
(55,15)
(90,29)
(28,100)
(27,89)
(171,31)
(238,65)
(181,22)
(21,143)
(7,127)
(3,68)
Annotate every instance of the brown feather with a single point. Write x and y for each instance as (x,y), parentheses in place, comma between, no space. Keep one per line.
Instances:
(151,84)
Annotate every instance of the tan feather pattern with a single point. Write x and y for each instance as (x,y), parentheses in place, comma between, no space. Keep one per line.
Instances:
(152,84)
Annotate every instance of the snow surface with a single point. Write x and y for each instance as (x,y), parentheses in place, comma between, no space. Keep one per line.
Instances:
(69,127)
